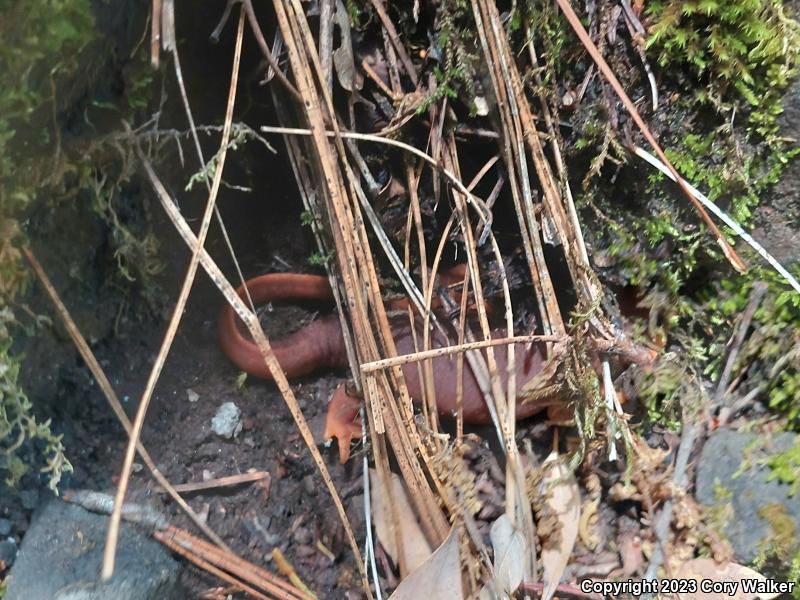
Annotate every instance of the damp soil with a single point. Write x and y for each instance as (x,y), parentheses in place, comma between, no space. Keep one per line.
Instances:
(291,509)
(125,322)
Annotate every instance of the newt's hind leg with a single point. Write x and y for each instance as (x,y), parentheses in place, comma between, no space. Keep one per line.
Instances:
(343,421)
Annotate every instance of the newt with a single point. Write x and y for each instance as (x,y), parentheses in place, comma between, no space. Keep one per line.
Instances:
(320,345)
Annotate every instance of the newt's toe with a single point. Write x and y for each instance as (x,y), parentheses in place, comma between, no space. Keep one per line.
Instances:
(342,421)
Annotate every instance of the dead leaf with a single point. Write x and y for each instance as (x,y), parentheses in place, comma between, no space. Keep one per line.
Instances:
(415,547)
(708,569)
(563,499)
(343,60)
(509,559)
(437,577)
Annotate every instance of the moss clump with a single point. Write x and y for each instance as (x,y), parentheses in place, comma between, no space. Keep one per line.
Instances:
(724,69)
(42,40)
(786,467)
(770,356)
(781,544)
(738,59)
(742,53)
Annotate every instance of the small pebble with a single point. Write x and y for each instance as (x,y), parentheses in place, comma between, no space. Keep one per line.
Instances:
(192,395)
(5,527)
(227,422)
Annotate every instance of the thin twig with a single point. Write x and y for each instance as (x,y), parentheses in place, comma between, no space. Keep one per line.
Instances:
(108,391)
(172,328)
(326,9)
(155,33)
(447,350)
(369,542)
(228,568)
(219,482)
(756,295)
(722,216)
(238,566)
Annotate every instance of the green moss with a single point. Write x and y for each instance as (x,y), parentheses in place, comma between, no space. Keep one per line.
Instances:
(737,58)
(782,541)
(724,69)
(42,40)
(770,355)
(742,53)
(786,467)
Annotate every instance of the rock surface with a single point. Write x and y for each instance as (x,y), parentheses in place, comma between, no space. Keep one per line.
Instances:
(777,219)
(61,554)
(729,476)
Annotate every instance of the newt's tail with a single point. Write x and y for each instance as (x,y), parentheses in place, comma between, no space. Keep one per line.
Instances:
(317,345)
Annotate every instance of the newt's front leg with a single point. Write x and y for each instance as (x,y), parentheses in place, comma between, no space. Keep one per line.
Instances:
(342,421)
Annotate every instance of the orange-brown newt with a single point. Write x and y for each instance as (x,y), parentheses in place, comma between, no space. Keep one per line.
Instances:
(320,345)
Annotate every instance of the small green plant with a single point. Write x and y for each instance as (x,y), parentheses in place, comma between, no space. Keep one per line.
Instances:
(770,355)
(320,260)
(457,69)
(18,424)
(786,467)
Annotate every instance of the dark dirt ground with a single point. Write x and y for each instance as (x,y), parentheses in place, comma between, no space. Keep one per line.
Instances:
(292,510)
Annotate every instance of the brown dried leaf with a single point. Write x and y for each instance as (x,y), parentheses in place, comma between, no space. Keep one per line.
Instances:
(437,577)
(563,499)
(415,547)
(509,559)
(730,573)
(343,59)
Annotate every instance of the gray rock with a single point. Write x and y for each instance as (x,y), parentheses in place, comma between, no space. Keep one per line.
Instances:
(227,422)
(730,476)
(8,551)
(62,551)
(5,526)
(29,499)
